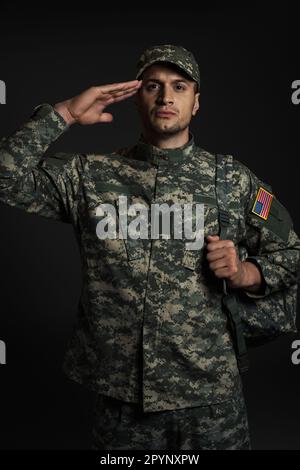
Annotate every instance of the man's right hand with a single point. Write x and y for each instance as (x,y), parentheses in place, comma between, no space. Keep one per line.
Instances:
(88,107)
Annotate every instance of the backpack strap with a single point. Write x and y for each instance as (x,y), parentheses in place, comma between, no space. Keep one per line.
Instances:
(224,165)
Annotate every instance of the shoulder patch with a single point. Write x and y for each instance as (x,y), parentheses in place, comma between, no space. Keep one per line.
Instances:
(278,221)
(262,203)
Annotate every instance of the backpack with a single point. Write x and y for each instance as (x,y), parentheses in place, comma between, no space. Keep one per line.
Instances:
(251,321)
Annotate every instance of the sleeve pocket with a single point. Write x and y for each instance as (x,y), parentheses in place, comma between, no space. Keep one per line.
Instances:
(279,221)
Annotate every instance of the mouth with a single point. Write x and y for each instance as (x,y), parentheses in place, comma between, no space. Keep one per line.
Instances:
(164,114)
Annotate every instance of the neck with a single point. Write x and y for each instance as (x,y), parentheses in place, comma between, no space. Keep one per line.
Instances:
(166,141)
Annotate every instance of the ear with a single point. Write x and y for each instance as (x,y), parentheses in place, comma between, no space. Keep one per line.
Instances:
(196,104)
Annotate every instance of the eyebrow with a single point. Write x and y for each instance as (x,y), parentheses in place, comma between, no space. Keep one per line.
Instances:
(177,80)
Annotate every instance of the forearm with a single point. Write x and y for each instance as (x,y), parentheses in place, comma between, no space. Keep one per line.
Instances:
(24,148)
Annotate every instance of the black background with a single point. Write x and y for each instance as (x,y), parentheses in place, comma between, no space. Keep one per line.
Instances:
(247,58)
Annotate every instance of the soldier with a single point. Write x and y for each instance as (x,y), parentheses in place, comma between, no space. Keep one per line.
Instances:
(152,339)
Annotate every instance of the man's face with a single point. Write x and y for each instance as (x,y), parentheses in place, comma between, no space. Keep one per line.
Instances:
(166,100)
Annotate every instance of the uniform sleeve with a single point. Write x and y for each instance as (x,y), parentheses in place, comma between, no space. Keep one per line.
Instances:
(46,187)
(271,243)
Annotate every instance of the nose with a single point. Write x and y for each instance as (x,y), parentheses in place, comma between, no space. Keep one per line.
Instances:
(165,96)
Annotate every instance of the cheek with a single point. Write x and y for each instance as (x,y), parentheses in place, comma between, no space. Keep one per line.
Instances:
(186,106)
(186,112)
(145,104)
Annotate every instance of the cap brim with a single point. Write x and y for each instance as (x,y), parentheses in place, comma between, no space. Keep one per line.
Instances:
(162,60)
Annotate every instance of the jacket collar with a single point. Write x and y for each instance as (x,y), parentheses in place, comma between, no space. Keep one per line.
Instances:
(156,155)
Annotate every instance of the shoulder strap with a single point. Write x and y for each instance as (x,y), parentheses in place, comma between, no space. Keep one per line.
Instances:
(223,167)
(223,164)
(223,188)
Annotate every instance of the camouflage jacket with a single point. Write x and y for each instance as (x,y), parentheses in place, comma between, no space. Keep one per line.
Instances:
(150,325)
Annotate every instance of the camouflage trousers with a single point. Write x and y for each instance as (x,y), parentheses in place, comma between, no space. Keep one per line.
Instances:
(120,425)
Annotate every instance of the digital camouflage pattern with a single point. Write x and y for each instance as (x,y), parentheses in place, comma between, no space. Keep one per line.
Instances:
(222,426)
(151,329)
(176,55)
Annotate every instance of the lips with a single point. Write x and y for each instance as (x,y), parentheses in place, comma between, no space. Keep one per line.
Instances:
(162,113)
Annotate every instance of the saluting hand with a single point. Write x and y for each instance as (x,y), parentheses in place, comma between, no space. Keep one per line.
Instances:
(88,107)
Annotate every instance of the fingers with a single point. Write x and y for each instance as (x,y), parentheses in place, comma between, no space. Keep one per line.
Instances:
(101,98)
(127,89)
(225,266)
(220,264)
(222,273)
(213,237)
(220,253)
(117,93)
(114,99)
(108,117)
(105,117)
(123,96)
(118,87)
(214,243)
(102,95)
(222,257)
(87,108)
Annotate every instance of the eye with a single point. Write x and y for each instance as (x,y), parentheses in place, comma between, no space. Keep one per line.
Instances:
(152,86)
(180,87)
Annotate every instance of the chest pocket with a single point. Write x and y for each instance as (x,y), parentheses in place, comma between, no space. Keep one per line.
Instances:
(193,259)
(121,197)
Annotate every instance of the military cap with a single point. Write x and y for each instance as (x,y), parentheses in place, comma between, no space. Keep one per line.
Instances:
(176,55)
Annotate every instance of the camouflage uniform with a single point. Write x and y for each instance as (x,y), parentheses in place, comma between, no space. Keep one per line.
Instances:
(151,331)
(222,426)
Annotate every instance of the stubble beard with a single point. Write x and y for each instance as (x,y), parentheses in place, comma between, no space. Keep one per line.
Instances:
(167,131)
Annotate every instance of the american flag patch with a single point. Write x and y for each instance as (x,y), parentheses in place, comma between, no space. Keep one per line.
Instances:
(262,204)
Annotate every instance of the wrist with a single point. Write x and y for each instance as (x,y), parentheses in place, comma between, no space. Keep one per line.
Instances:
(63,111)
(252,279)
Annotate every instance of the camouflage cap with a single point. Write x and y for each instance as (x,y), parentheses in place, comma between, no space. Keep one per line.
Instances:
(176,55)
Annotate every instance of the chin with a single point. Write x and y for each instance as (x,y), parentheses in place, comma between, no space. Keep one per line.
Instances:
(164,127)
(168,130)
